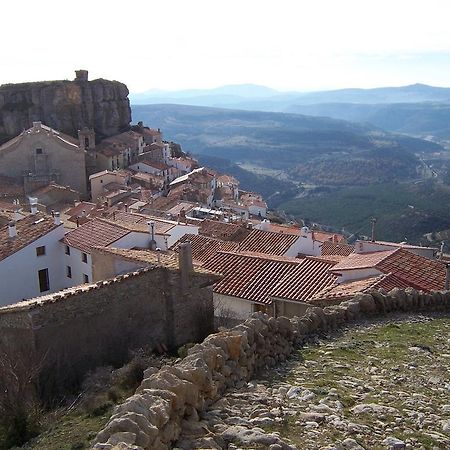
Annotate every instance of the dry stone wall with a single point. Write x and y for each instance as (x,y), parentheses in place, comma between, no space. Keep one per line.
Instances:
(169,400)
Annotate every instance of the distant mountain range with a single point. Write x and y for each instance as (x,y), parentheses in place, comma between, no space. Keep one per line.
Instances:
(419,110)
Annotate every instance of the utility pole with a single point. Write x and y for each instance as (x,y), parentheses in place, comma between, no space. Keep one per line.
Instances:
(373,220)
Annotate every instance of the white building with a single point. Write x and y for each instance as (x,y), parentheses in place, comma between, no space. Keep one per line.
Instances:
(31,258)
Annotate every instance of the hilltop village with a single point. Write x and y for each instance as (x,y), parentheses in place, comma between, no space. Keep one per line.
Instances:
(112,239)
(68,203)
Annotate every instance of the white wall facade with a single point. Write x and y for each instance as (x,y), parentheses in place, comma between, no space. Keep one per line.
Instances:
(78,268)
(232,307)
(357,274)
(19,272)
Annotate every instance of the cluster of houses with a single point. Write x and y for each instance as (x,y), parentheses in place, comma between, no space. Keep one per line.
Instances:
(69,208)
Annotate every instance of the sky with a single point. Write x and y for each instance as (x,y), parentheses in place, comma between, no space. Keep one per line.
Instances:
(289,45)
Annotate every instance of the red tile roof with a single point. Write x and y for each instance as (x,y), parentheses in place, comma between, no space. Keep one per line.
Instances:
(222,230)
(204,247)
(414,270)
(28,229)
(323,236)
(334,248)
(340,292)
(95,233)
(259,278)
(362,260)
(268,242)
(129,219)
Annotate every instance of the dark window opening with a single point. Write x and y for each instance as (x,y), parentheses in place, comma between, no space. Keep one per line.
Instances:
(85,278)
(44,284)
(67,250)
(40,251)
(69,272)
(84,257)
(39,151)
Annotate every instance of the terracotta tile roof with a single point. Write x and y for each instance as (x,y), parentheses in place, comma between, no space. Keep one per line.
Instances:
(362,260)
(77,211)
(285,229)
(186,206)
(138,222)
(155,164)
(259,278)
(169,260)
(323,236)
(340,292)
(29,229)
(414,269)
(204,247)
(335,248)
(222,230)
(95,233)
(268,242)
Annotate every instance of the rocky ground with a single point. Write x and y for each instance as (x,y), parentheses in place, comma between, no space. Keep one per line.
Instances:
(383,385)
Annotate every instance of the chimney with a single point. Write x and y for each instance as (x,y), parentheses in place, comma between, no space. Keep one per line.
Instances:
(12,231)
(81,75)
(57,218)
(33,205)
(17,215)
(151,229)
(185,264)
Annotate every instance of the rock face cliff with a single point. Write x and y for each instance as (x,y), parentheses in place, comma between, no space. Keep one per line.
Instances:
(66,106)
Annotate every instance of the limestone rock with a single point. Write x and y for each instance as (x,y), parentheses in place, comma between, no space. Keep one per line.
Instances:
(66,106)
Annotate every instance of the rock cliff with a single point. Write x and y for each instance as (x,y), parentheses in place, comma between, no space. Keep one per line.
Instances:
(66,106)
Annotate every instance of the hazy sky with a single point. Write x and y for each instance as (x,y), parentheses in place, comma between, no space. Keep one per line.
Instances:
(178,44)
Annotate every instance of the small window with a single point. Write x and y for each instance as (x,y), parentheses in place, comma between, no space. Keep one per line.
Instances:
(40,251)
(44,284)
(39,151)
(84,257)
(85,278)
(69,272)
(67,250)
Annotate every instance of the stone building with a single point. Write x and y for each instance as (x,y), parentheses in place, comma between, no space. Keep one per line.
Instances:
(41,155)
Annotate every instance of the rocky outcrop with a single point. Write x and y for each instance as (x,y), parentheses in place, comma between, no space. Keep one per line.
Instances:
(171,401)
(66,106)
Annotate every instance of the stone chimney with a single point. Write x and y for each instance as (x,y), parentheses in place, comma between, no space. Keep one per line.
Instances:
(151,230)
(57,218)
(12,231)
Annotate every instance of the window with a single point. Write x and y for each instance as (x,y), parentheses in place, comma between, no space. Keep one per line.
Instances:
(67,250)
(40,251)
(69,272)
(84,257)
(39,151)
(85,278)
(44,284)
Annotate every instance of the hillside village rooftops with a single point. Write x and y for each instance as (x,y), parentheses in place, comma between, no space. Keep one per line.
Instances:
(261,278)
(188,176)
(204,247)
(28,229)
(268,242)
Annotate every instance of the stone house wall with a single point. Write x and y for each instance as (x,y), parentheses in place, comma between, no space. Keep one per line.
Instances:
(99,324)
(167,400)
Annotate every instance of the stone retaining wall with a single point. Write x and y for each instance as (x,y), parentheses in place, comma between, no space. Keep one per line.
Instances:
(169,399)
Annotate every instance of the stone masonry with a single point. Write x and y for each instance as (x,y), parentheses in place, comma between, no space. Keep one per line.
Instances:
(171,399)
